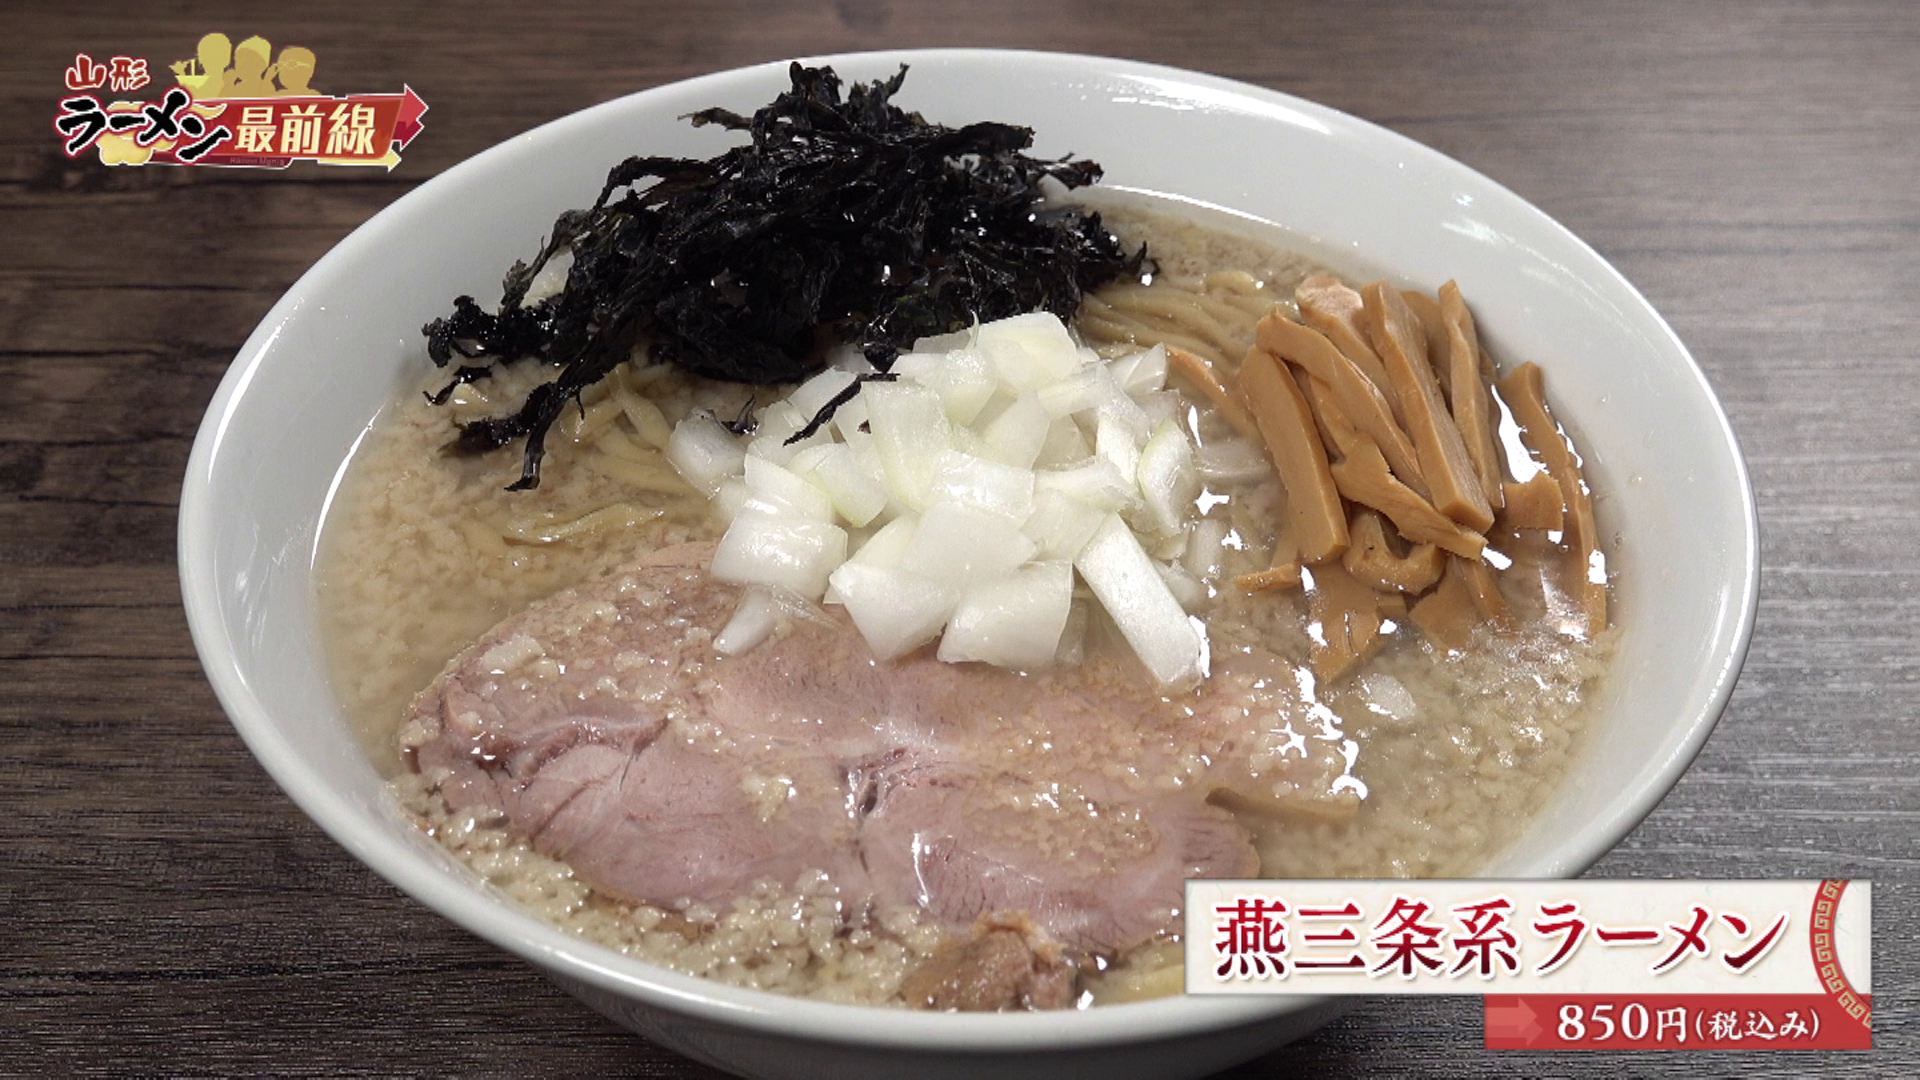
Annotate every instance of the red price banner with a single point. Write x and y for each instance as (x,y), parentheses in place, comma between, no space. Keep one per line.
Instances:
(1674,1022)
(1564,965)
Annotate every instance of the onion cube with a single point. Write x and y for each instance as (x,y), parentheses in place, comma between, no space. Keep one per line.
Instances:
(780,491)
(1013,621)
(939,343)
(811,396)
(1114,441)
(1141,372)
(1121,409)
(1159,406)
(961,544)
(895,611)
(849,358)
(848,418)
(1189,590)
(1016,435)
(1207,548)
(859,494)
(753,619)
(779,422)
(965,384)
(1061,524)
(989,485)
(1073,640)
(1082,391)
(1064,446)
(730,498)
(910,430)
(888,546)
(917,366)
(1169,485)
(1027,352)
(803,463)
(1097,482)
(705,452)
(796,554)
(1129,586)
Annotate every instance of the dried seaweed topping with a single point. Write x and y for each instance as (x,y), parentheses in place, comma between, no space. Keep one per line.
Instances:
(843,220)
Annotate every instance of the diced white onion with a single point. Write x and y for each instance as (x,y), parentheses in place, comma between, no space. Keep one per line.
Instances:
(917,366)
(1083,391)
(1016,433)
(705,452)
(1141,372)
(1013,621)
(1097,483)
(1168,483)
(811,396)
(1065,445)
(988,485)
(939,343)
(1207,548)
(551,280)
(962,545)
(1232,460)
(1027,352)
(848,357)
(1153,622)
(888,546)
(996,462)
(895,610)
(753,619)
(1115,441)
(964,384)
(1186,588)
(1061,524)
(779,423)
(910,430)
(1160,406)
(780,491)
(730,498)
(848,419)
(857,487)
(761,548)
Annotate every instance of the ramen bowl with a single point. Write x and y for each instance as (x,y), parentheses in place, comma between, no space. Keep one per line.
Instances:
(1672,495)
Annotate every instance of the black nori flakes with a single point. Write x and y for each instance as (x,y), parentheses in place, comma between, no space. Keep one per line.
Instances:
(842,220)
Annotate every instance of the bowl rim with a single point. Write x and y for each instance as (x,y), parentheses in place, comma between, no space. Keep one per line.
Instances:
(497,921)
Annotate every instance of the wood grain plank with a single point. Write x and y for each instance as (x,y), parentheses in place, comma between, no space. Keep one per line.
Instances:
(1749,166)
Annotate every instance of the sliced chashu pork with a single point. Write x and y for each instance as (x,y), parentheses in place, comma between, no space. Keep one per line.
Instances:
(609,733)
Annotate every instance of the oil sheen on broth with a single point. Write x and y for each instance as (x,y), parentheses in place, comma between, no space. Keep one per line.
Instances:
(1451,752)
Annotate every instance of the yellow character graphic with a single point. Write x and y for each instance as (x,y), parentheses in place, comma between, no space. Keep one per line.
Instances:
(296,71)
(207,74)
(252,75)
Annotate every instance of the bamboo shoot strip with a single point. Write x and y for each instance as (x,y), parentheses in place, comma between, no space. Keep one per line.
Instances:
(1525,393)
(1471,399)
(1200,372)
(1318,520)
(1362,477)
(1402,347)
(1358,397)
(1332,307)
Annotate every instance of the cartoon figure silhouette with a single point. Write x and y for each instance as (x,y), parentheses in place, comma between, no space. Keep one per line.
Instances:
(296,68)
(116,149)
(206,75)
(252,76)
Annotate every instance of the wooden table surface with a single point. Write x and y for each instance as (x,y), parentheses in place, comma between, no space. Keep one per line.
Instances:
(1753,168)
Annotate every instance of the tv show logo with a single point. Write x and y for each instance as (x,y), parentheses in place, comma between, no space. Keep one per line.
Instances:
(230,105)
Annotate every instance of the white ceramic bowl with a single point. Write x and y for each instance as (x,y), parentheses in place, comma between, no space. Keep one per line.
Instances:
(343,342)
